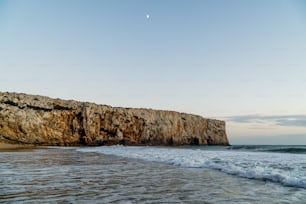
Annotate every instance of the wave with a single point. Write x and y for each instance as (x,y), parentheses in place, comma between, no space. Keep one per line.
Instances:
(290,150)
(296,149)
(286,169)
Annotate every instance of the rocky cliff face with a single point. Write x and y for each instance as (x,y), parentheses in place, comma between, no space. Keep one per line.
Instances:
(41,120)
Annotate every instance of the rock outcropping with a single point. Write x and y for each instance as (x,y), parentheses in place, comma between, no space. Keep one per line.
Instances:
(40,120)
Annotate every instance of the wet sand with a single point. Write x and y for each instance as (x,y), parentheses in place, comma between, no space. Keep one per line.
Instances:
(68,175)
(4,147)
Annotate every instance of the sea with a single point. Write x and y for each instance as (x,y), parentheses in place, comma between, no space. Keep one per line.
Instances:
(146,174)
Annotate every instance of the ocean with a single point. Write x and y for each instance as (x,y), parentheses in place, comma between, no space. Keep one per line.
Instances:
(139,174)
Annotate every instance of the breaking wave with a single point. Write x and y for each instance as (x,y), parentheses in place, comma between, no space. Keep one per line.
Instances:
(285,169)
(294,149)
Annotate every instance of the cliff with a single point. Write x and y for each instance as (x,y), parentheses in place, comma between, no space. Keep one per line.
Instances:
(39,120)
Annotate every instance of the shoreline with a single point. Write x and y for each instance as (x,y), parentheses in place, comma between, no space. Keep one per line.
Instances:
(15,147)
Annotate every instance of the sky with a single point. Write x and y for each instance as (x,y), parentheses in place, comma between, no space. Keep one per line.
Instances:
(239,61)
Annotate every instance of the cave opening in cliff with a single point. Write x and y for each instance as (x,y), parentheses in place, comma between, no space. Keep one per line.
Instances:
(194,141)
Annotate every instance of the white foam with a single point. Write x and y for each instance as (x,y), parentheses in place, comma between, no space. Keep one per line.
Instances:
(287,169)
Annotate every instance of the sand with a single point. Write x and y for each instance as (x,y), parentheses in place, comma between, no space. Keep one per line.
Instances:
(14,147)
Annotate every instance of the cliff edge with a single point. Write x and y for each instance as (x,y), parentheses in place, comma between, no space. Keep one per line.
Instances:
(39,120)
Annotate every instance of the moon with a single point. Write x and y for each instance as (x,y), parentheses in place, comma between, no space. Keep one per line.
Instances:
(147,16)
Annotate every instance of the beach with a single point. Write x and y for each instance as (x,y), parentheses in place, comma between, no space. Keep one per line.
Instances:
(14,147)
(78,175)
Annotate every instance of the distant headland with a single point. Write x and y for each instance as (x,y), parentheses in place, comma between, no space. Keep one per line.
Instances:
(40,120)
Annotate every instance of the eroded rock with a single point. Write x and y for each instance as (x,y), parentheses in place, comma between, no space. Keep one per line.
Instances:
(40,120)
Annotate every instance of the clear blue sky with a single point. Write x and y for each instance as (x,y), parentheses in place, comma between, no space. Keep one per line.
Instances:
(242,61)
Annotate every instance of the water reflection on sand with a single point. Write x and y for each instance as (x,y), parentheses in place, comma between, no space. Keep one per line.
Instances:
(68,176)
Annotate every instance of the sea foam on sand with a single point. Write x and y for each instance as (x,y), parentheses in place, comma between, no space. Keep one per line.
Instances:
(286,169)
